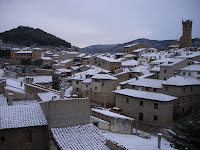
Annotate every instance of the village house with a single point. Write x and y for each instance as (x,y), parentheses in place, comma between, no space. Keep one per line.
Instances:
(63,64)
(187,91)
(172,67)
(147,107)
(34,53)
(129,48)
(104,62)
(22,127)
(67,55)
(191,71)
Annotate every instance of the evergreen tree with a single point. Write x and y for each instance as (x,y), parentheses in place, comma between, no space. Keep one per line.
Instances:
(186,133)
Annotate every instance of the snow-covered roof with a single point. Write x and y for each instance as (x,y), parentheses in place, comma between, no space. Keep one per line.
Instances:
(182,81)
(15,85)
(46,58)
(143,69)
(139,50)
(45,97)
(153,83)
(41,79)
(65,61)
(104,76)
(155,68)
(36,48)
(15,49)
(172,62)
(19,116)
(191,68)
(119,54)
(64,70)
(83,137)
(23,52)
(14,89)
(3,100)
(135,142)
(106,112)
(191,55)
(130,63)
(129,55)
(87,80)
(140,77)
(108,59)
(145,95)
(130,45)
(25,102)
(92,71)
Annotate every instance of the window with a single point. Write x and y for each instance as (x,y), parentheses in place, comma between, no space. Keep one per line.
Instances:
(183,110)
(190,99)
(164,78)
(184,73)
(86,86)
(183,99)
(156,105)
(189,73)
(133,86)
(140,116)
(166,89)
(77,89)
(190,89)
(77,82)
(155,117)
(165,71)
(102,82)
(127,100)
(154,90)
(95,88)
(183,89)
(2,139)
(147,88)
(86,93)
(27,136)
(141,103)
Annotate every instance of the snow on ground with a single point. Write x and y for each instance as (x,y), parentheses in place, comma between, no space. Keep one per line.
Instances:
(133,142)
(68,91)
(1,73)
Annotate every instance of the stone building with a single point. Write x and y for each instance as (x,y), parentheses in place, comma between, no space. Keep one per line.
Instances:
(129,49)
(172,67)
(191,71)
(23,127)
(35,53)
(187,91)
(104,62)
(185,40)
(147,107)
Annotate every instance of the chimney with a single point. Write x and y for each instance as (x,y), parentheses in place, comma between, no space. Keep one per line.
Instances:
(62,94)
(4,72)
(10,99)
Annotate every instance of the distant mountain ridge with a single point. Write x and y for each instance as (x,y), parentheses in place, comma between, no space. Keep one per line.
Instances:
(119,47)
(28,36)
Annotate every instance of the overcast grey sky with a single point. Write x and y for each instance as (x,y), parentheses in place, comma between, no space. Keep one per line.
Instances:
(89,22)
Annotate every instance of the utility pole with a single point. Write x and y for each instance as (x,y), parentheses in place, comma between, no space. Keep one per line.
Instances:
(136,126)
(104,103)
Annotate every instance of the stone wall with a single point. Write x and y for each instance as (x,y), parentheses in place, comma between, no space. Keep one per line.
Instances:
(64,113)
(14,139)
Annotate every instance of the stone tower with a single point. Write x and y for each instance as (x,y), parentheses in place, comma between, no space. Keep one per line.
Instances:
(185,40)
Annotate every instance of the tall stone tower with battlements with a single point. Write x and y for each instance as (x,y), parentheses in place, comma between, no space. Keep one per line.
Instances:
(185,40)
